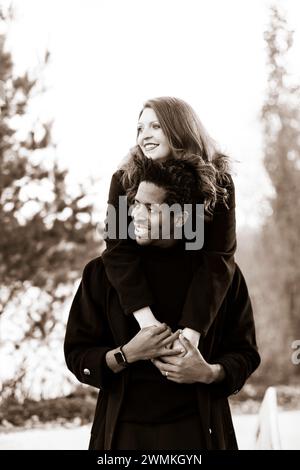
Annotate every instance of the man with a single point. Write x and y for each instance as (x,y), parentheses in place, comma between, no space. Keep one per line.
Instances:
(153,396)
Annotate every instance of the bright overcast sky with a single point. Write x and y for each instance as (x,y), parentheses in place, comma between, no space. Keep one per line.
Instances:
(109,56)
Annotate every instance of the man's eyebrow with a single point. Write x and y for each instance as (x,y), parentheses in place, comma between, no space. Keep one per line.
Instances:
(147,204)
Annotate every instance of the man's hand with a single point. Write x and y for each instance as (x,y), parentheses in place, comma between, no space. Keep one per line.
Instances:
(190,368)
(151,342)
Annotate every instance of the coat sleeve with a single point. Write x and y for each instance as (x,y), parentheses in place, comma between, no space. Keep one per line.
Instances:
(215,267)
(88,337)
(238,353)
(122,260)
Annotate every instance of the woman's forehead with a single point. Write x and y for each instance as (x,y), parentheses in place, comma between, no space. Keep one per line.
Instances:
(148,115)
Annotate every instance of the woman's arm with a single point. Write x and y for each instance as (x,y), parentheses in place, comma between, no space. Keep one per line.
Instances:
(215,269)
(122,262)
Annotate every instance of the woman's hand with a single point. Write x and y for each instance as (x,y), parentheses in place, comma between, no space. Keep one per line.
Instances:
(151,342)
(175,346)
(193,337)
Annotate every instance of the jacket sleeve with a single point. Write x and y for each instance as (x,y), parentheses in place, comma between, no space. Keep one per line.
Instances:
(121,258)
(88,337)
(215,269)
(238,352)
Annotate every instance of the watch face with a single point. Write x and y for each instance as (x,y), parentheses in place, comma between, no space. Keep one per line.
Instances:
(120,358)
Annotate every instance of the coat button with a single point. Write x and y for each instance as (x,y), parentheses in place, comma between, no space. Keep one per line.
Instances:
(86,371)
(209,430)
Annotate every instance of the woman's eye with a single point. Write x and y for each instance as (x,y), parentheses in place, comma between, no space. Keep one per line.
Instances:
(156,126)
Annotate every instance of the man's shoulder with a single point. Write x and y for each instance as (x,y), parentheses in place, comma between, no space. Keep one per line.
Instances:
(94,268)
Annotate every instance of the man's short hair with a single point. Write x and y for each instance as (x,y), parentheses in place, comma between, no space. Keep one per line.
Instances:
(177,177)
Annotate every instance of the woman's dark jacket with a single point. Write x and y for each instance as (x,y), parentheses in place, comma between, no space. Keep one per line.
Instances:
(214,273)
(98,324)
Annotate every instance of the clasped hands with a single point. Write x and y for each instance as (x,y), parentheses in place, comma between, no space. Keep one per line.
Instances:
(173,354)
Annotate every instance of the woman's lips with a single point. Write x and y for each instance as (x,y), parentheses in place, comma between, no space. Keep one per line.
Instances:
(150,148)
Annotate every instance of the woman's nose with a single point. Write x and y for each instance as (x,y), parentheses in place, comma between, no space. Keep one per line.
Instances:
(146,133)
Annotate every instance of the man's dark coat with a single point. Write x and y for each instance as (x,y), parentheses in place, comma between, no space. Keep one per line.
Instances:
(97,324)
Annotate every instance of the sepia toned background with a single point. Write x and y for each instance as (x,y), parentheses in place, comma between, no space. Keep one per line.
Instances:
(74,76)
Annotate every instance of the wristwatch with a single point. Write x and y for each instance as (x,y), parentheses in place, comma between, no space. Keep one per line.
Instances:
(121,358)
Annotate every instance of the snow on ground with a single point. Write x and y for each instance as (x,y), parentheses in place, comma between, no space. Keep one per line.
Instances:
(56,438)
(288,424)
(77,438)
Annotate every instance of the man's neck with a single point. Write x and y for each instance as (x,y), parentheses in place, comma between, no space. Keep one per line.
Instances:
(164,244)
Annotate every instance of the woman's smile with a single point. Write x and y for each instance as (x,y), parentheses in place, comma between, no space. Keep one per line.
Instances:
(149,147)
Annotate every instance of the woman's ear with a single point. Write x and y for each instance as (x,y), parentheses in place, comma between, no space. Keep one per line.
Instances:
(180,219)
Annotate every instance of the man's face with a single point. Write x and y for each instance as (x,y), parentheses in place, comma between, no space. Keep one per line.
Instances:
(151,217)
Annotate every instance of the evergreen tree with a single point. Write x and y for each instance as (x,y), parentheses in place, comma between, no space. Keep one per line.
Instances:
(47,235)
(281,125)
(278,250)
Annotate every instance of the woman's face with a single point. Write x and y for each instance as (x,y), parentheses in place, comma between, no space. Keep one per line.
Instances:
(151,139)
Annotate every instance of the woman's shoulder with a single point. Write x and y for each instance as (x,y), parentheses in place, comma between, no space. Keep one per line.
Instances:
(116,186)
(117,175)
(226,183)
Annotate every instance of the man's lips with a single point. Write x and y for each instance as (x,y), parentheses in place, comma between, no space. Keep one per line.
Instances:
(140,230)
(141,227)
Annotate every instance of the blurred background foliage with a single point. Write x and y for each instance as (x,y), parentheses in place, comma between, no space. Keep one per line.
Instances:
(48,236)
(270,257)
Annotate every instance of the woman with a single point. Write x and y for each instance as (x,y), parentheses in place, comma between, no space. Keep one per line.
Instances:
(169,127)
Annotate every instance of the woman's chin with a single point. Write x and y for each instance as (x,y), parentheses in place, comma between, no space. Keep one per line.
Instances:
(156,155)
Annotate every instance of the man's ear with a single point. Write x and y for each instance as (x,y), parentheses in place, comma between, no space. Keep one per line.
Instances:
(180,219)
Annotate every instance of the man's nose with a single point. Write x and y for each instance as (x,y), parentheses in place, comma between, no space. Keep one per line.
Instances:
(139,213)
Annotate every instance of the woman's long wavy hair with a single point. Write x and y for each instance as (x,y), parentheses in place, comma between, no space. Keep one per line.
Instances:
(189,140)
